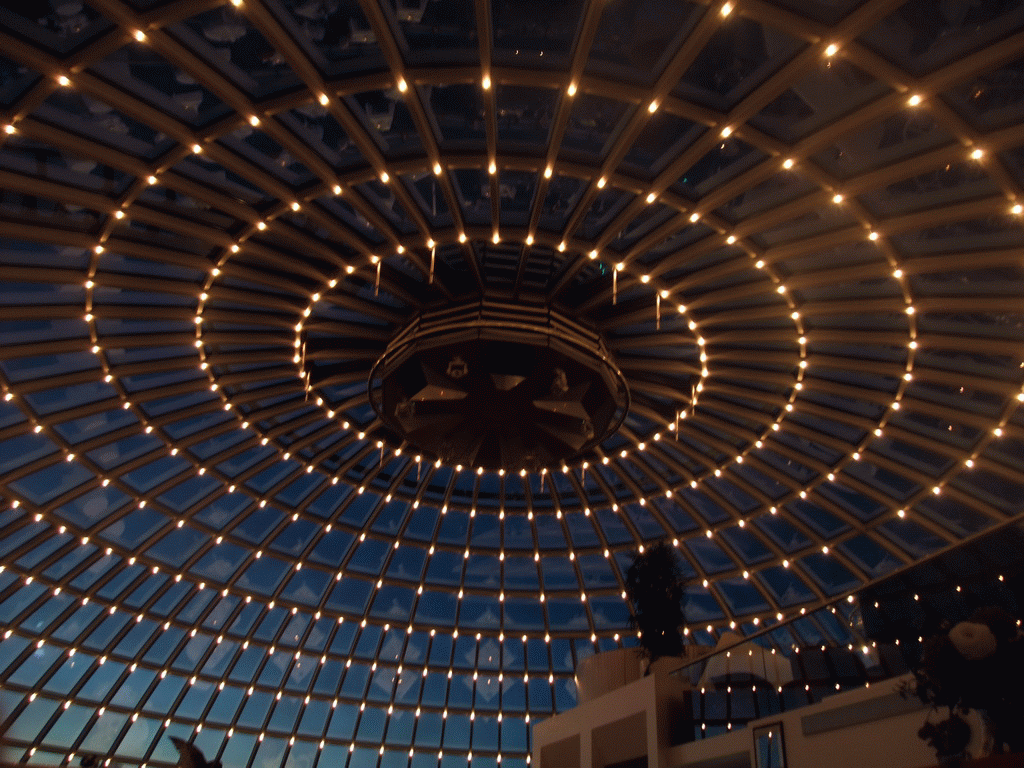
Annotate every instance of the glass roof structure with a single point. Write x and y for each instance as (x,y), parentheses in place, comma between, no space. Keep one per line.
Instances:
(796,225)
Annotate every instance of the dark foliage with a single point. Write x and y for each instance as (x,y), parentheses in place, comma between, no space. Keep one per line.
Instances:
(993,684)
(190,755)
(654,586)
(948,738)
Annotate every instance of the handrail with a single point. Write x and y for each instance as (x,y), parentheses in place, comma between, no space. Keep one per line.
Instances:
(757,676)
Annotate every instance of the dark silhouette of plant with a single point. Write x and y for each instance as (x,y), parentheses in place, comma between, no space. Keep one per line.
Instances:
(948,738)
(976,664)
(190,756)
(654,585)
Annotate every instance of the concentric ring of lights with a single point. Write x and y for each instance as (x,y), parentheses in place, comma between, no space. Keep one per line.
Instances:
(897,274)
(262,224)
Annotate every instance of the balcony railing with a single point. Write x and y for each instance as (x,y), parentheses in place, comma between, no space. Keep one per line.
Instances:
(787,667)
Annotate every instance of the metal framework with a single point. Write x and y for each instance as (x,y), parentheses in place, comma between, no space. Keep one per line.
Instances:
(809,209)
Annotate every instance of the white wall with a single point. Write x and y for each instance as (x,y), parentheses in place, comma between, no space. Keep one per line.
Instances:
(889,741)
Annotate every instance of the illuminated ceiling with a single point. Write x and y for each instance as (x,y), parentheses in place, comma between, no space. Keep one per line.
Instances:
(795,226)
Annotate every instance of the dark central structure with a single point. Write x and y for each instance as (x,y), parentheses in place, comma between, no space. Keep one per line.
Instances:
(499,386)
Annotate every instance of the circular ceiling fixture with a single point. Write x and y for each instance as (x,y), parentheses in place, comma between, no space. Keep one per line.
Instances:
(494,385)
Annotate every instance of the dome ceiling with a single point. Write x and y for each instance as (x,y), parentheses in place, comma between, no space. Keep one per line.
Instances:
(795,227)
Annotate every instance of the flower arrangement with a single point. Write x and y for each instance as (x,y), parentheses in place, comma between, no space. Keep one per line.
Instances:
(976,664)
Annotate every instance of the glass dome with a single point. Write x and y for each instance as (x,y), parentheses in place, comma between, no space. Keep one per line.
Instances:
(795,226)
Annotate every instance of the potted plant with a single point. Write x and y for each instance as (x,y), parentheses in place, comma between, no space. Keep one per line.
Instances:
(655,588)
(976,664)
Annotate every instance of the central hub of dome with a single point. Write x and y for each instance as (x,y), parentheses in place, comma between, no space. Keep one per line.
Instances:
(499,386)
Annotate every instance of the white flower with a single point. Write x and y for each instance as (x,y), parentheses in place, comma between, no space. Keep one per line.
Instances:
(974,641)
